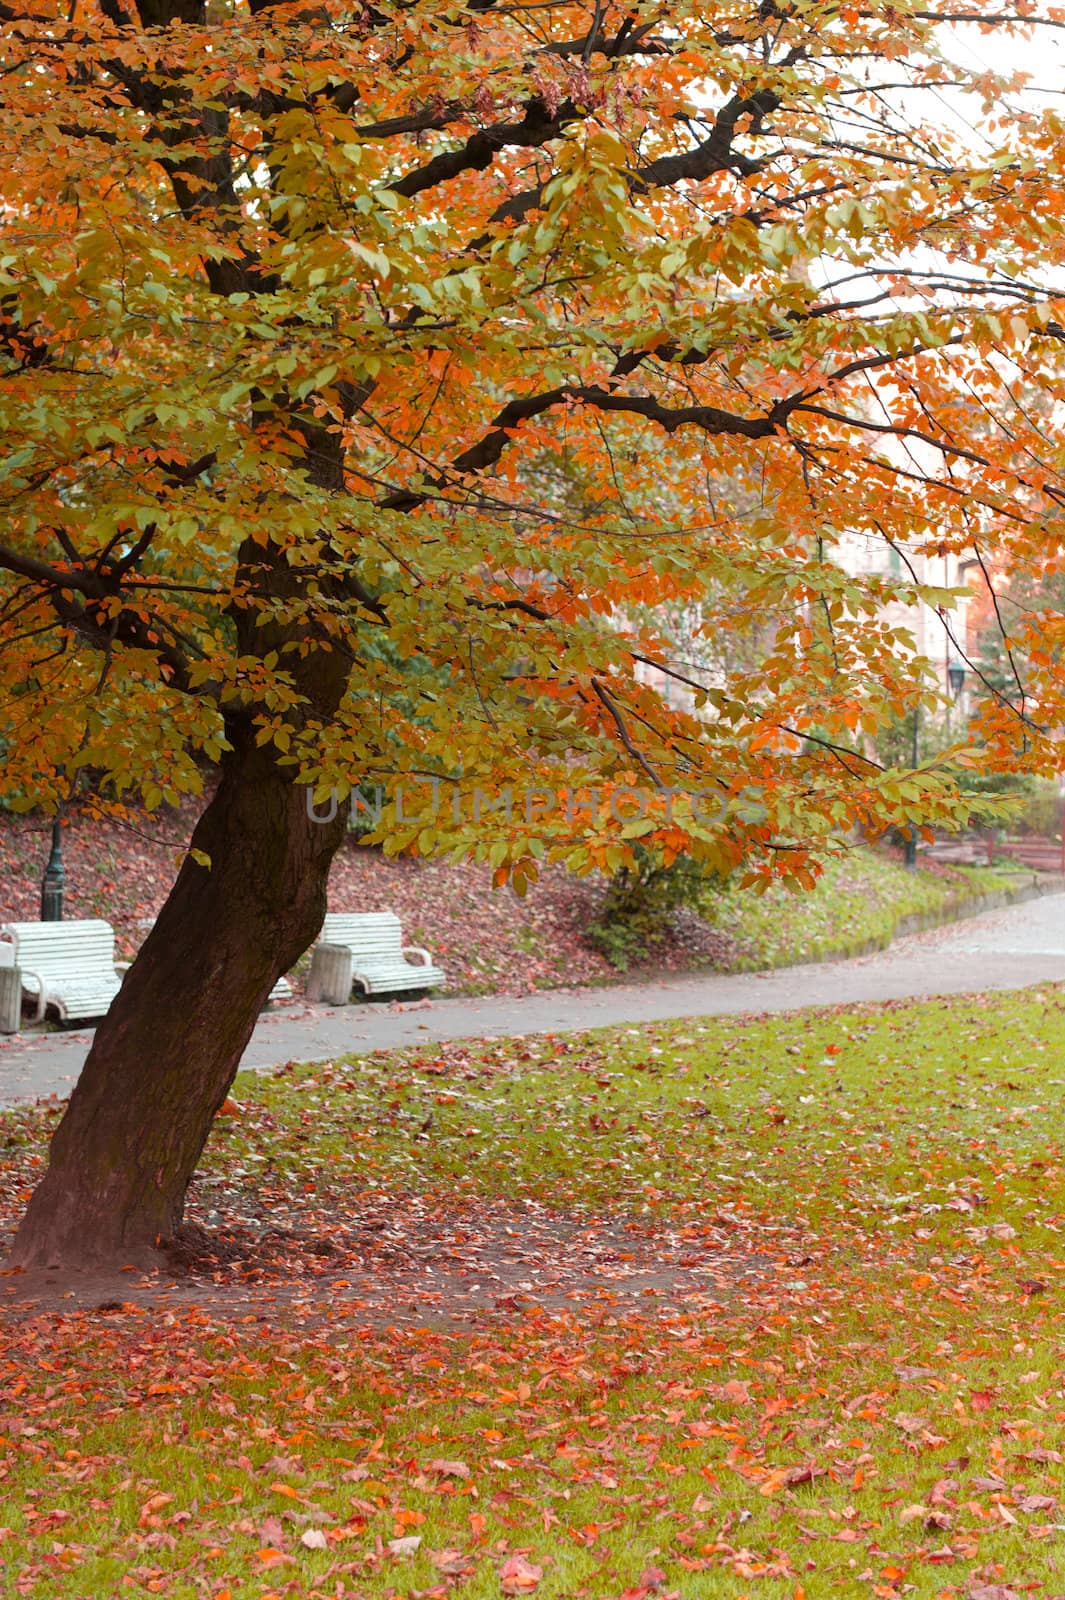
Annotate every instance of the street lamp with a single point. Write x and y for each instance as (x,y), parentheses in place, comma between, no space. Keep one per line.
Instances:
(956,683)
(54,877)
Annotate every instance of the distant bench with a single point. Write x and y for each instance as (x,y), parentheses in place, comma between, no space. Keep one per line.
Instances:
(366,948)
(71,966)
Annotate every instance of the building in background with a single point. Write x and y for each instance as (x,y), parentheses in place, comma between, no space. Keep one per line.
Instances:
(943,638)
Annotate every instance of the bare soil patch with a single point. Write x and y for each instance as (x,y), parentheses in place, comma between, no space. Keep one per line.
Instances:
(411,1263)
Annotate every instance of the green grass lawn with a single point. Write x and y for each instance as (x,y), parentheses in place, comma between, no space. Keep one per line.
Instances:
(879,1411)
(856,904)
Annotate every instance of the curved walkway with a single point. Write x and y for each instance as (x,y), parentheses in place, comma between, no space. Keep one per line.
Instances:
(1005,949)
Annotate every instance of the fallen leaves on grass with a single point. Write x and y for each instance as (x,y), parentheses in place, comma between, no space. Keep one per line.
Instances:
(394,1365)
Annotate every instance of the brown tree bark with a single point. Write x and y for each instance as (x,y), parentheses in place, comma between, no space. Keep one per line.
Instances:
(166,1054)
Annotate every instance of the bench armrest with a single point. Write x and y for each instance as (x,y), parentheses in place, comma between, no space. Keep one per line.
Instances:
(416,950)
(42,993)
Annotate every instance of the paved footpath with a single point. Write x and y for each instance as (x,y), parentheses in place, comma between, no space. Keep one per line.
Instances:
(1005,949)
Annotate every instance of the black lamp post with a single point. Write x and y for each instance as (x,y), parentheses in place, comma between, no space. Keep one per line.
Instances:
(956,683)
(54,879)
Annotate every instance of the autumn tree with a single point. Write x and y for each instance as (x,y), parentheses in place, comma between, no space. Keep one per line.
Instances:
(292,296)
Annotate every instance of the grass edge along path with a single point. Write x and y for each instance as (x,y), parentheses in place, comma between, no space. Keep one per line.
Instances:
(861,903)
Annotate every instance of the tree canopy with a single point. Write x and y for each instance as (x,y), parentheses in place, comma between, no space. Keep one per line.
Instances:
(373,374)
(299,306)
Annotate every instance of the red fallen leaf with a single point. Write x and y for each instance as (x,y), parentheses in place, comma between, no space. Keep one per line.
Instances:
(943,1491)
(450,1469)
(652,1578)
(518,1576)
(1036,1502)
(981,1399)
(229,1108)
(992,1591)
(833,1049)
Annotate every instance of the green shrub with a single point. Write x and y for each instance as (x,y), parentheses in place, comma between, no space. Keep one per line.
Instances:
(1041,811)
(639,903)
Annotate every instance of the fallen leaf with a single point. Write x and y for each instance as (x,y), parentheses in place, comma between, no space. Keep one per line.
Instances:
(909,1423)
(406,1546)
(1036,1502)
(269,1557)
(736,1390)
(518,1576)
(452,1563)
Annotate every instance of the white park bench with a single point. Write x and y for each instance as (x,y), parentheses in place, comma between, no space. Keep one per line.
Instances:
(72,966)
(68,965)
(366,948)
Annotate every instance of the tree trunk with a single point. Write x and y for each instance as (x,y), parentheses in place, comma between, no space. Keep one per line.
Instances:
(165,1055)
